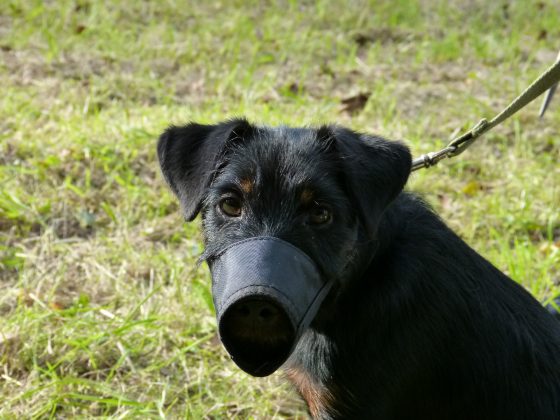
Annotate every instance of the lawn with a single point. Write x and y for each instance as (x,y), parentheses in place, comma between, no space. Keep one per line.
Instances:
(103,308)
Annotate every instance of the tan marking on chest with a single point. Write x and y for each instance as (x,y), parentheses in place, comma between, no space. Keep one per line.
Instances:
(315,395)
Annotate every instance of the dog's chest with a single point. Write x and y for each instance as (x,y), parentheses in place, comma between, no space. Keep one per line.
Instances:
(316,395)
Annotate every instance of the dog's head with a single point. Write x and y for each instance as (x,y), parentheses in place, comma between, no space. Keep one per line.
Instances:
(287,213)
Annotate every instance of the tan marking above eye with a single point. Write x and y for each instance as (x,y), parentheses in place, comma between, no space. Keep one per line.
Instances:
(306,196)
(246,185)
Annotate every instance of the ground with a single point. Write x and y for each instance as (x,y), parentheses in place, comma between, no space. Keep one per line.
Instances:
(104,311)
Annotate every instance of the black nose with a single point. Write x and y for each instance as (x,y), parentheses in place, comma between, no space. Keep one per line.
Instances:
(257,319)
(256,313)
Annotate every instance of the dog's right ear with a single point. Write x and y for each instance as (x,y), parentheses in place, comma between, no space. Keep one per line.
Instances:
(190,155)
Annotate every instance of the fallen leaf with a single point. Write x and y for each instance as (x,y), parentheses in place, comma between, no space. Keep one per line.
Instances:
(356,103)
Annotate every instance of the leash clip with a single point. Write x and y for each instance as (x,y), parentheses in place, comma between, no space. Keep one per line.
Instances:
(548,80)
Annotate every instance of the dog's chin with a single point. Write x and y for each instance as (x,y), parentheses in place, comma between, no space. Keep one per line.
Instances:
(258,349)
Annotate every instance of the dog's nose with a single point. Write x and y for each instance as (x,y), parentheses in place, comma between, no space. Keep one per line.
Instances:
(257,313)
(257,321)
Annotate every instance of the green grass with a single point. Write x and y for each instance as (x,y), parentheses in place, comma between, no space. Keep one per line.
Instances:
(103,310)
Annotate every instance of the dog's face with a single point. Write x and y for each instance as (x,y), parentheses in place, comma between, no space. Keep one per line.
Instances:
(283,183)
(321,190)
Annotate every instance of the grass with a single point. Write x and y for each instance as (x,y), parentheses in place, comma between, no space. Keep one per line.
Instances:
(103,309)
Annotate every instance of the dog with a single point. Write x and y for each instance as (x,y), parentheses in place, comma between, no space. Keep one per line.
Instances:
(371,305)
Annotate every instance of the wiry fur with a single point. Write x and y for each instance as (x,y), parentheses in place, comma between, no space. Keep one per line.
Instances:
(419,325)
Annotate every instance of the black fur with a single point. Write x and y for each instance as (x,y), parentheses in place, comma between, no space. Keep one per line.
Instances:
(419,326)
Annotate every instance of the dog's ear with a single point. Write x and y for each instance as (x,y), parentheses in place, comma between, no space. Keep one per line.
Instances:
(375,170)
(190,155)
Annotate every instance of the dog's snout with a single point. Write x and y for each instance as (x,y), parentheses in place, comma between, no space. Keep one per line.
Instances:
(259,333)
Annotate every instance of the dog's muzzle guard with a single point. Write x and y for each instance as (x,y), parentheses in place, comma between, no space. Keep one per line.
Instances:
(273,273)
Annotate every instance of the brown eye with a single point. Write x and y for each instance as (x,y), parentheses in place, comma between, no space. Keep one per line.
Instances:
(320,215)
(230,206)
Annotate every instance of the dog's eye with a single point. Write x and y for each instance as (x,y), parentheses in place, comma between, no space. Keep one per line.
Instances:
(320,215)
(230,206)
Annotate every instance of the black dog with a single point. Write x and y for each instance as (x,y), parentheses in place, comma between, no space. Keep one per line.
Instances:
(416,325)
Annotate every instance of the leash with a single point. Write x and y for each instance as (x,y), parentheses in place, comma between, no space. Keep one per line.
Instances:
(549,95)
(546,81)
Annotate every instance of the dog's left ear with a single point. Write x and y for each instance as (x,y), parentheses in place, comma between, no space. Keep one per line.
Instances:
(375,169)
(189,157)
